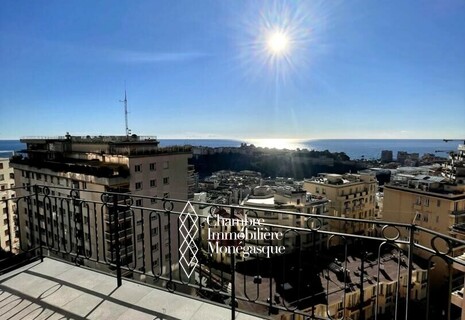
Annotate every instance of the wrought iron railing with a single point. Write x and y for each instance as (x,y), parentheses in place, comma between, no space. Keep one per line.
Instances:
(314,270)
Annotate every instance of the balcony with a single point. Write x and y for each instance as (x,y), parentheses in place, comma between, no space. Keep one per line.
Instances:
(152,273)
(54,289)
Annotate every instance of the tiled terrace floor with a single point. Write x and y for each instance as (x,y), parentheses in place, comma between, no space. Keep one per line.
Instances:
(57,290)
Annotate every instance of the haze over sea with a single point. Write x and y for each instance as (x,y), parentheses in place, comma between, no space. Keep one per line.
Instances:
(354,148)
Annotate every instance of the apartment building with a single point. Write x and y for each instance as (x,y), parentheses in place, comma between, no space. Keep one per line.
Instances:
(131,165)
(436,202)
(8,239)
(269,205)
(351,196)
(379,294)
(298,201)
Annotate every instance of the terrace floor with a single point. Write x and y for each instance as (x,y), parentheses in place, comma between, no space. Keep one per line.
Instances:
(55,290)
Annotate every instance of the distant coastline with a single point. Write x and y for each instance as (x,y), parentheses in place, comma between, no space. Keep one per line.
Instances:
(354,148)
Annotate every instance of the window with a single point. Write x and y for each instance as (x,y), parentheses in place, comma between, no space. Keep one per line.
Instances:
(154,231)
(139,202)
(438,203)
(152,201)
(138,185)
(155,247)
(12,175)
(166,180)
(1,165)
(166,195)
(137,168)
(426,202)
(166,165)
(153,166)
(140,236)
(2,177)
(153,183)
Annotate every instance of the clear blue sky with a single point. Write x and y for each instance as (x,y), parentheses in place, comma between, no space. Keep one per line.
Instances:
(198,69)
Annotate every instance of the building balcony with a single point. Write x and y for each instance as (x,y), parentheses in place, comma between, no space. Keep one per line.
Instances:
(150,272)
(458,213)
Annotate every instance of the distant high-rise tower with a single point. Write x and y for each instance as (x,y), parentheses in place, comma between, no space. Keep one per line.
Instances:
(386,156)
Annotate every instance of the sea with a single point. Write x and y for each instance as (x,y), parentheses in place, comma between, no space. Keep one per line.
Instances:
(354,148)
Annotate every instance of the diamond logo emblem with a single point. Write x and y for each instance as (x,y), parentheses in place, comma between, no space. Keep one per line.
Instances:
(188,229)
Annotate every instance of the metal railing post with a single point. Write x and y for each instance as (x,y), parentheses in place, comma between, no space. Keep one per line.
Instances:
(41,250)
(10,234)
(233,278)
(117,244)
(362,294)
(410,269)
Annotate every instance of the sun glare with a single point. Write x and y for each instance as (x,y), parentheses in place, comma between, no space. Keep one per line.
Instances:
(278,43)
(290,144)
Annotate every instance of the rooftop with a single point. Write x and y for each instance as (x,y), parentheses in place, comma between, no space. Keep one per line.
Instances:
(91,139)
(340,179)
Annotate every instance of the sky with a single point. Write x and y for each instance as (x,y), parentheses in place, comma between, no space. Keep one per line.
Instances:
(204,69)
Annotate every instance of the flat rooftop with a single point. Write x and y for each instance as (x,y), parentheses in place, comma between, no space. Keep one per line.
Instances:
(54,290)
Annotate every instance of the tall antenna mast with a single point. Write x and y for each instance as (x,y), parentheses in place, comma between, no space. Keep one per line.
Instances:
(125,101)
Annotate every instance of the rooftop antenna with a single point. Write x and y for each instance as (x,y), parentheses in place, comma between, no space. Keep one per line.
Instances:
(125,101)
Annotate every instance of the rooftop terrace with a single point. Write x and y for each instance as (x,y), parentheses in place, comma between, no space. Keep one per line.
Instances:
(53,289)
(40,282)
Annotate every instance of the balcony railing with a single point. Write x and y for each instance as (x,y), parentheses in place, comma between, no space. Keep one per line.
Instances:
(392,270)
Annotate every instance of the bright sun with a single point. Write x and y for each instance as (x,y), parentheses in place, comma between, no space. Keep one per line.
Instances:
(278,43)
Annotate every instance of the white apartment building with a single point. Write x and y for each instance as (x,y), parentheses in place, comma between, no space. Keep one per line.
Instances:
(8,239)
(130,165)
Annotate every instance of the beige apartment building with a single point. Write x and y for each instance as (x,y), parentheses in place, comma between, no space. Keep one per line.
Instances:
(8,239)
(433,202)
(351,196)
(132,165)
(378,299)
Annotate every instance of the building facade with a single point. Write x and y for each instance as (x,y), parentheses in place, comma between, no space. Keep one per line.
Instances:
(436,202)
(123,164)
(8,239)
(351,196)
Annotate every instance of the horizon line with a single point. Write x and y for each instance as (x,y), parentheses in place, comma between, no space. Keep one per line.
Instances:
(260,139)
